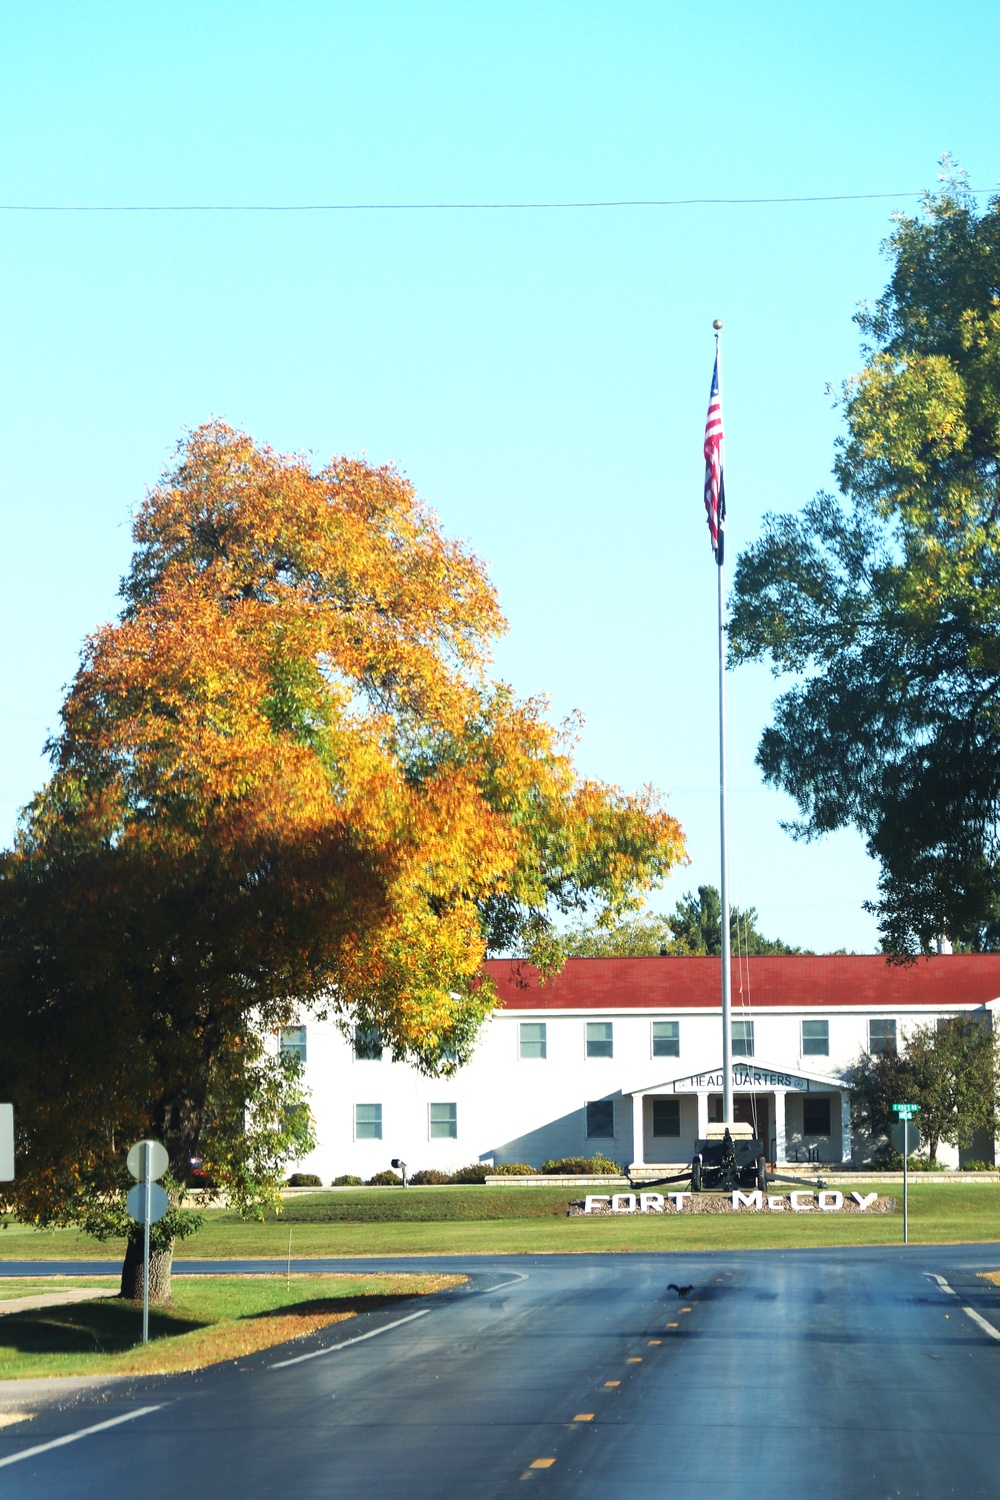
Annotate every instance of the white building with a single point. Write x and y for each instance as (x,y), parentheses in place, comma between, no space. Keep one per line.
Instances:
(622,1056)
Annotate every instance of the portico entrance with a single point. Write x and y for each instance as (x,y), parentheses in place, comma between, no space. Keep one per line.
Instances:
(808,1112)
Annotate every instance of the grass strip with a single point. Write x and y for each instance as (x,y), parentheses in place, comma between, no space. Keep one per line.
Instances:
(511,1221)
(211,1319)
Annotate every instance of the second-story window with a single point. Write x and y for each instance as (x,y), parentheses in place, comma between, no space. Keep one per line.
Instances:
(600,1039)
(666,1039)
(743,1039)
(532,1039)
(881,1037)
(367,1044)
(293,1042)
(815,1038)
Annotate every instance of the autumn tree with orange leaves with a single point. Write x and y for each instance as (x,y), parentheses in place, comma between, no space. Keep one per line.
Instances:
(284,782)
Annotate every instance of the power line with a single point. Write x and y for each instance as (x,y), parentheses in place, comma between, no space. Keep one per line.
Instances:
(323,208)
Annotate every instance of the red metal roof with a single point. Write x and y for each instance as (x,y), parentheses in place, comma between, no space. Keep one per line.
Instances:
(864,980)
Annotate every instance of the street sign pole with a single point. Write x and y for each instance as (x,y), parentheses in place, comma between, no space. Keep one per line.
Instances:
(906,1182)
(147,1205)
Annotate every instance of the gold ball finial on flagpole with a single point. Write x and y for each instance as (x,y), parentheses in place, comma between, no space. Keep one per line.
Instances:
(717,324)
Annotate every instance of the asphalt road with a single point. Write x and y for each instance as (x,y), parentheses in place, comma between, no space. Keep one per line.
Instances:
(806,1373)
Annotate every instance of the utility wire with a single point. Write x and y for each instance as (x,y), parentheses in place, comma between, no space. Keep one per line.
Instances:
(323,208)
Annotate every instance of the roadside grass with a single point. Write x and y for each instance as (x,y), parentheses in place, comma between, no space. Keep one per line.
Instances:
(211,1319)
(532,1220)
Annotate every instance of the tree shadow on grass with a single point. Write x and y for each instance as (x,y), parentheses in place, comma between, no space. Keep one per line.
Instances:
(317,1306)
(107,1326)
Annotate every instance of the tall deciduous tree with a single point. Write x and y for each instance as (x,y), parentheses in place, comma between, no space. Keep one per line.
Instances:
(950,1071)
(885,599)
(284,782)
(694,928)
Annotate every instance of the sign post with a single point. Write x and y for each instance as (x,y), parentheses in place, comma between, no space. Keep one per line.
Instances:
(6,1143)
(147,1203)
(906,1113)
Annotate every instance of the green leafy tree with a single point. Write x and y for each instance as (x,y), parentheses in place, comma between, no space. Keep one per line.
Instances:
(694,928)
(951,1071)
(884,599)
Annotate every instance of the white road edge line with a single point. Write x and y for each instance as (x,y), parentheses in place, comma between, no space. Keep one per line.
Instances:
(970,1312)
(73,1437)
(984,1323)
(282,1364)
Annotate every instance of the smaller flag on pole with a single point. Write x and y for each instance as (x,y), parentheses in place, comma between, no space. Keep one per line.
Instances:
(715,485)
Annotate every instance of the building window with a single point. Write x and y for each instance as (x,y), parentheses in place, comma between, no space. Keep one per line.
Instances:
(666,1117)
(666,1039)
(293,1042)
(815,1039)
(743,1039)
(815,1116)
(367,1044)
(599,1039)
(368,1122)
(532,1039)
(601,1120)
(881,1037)
(443,1122)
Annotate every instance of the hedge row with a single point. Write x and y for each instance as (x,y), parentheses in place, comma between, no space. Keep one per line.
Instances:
(476,1172)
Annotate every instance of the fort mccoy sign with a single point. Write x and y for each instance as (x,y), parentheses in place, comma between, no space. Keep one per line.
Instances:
(825,1201)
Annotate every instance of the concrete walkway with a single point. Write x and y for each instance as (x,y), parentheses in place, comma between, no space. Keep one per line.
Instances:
(55,1299)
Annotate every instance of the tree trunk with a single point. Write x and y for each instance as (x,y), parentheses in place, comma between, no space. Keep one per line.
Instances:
(160,1262)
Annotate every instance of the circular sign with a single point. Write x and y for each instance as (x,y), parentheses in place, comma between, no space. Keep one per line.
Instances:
(158,1160)
(136,1202)
(905,1146)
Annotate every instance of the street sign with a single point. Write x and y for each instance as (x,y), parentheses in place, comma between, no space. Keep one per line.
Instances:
(906,1111)
(906,1139)
(6,1143)
(136,1202)
(147,1159)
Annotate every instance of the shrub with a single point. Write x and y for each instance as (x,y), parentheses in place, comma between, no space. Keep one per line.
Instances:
(429,1177)
(475,1172)
(581,1166)
(385,1179)
(512,1169)
(348,1181)
(305,1179)
(979,1166)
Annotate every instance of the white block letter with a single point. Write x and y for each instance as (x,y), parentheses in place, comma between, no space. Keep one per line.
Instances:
(628,1199)
(797,1207)
(746,1200)
(677,1199)
(649,1203)
(775,1203)
(866,1201)
(589,1201)
(829,1202)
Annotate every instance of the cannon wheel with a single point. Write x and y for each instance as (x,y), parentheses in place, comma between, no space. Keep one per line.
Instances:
(696,1175)
(762,1173)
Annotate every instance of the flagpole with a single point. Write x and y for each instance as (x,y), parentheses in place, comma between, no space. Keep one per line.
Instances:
(727,985)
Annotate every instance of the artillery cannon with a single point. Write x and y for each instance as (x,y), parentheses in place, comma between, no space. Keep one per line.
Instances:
(729,1157)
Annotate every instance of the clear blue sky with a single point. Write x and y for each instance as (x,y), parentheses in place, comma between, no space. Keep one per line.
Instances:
(542,377)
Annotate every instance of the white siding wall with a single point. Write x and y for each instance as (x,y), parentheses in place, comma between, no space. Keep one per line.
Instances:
(511,1108)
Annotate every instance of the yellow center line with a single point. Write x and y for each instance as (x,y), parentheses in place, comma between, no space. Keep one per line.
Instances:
(542,1463)
(633,1359)
(669,1325)
(612,1382)
(651,1342)
(584,1416)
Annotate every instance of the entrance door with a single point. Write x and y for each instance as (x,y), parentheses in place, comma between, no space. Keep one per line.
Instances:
(752,1110)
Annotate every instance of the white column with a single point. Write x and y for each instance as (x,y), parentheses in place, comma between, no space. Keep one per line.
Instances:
(779,1125)
(702,1114)
(638,1137)
(846,1145)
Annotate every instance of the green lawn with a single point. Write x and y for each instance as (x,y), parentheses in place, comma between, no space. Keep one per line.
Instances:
(493,1221)
(211,1318)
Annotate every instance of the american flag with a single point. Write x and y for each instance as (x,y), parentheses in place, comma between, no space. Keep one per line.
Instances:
(715,485)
